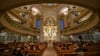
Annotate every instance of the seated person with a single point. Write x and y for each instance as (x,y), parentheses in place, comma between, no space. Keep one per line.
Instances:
(63,48)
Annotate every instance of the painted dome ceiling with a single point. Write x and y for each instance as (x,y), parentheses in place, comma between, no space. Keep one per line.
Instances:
(23,19)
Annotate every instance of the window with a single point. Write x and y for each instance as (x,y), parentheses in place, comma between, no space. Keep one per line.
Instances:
(61,24)
(38,24)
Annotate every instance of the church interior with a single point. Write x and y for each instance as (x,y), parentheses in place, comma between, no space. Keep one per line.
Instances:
(49,28)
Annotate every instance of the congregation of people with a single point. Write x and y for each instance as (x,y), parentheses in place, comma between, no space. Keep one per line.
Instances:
(65,48)
(77,48)
(22,49)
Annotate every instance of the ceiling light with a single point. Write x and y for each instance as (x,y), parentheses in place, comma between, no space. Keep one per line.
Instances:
(35,11)
(64,11)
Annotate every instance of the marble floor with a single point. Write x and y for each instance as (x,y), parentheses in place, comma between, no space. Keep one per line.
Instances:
(50,51)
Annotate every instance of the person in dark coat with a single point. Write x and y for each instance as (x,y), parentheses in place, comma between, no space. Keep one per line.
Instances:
(19,53)
(14,52)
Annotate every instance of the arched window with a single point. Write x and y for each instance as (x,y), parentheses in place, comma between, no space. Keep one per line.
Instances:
(61,24)
(38,23)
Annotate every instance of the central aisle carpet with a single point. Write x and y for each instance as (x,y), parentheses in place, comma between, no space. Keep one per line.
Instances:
(50,51)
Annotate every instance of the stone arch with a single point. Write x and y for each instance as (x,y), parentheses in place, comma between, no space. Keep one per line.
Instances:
(50,21)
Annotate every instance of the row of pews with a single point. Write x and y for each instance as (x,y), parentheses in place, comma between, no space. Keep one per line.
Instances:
(62,49)
(74,49)
(22,49)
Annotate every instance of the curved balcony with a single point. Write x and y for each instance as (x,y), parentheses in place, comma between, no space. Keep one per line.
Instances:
(84,26)
(81,21)
(15,26)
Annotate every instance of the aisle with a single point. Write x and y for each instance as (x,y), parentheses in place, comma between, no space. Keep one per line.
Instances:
(50,51)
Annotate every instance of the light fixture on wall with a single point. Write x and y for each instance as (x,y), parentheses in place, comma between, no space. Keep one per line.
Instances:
(64,11)
(35,11)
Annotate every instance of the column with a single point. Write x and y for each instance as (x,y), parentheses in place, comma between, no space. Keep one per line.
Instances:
(65,21)
(35,21)
(58,29)
(41,29)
